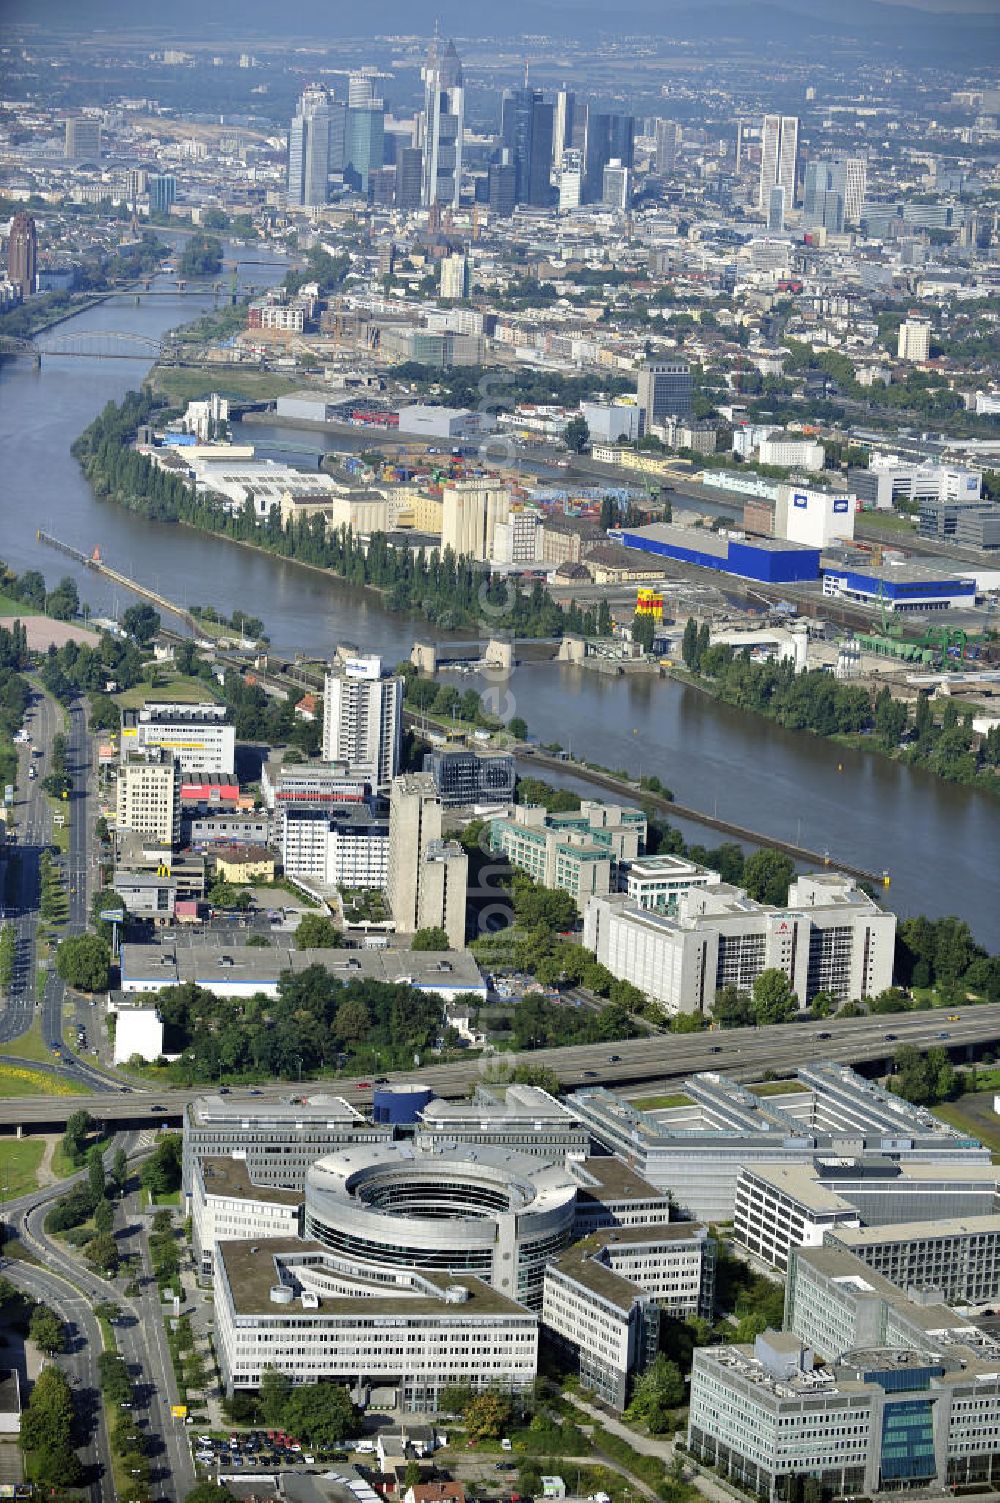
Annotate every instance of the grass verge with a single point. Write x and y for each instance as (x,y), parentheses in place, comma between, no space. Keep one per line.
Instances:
(30,1045)
(19,1161)
(978,1121)
(18,1080)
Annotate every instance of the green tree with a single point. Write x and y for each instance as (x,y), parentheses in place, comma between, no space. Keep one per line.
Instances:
(733,1008)
(518,727)
(766,876)
(774,1001)
(689,644)
(142,623)
(275,1389)
(84,961)
(576,435)
(104,1217)
(488,1415)
(657,1391)
(434,938)
(913,1078)
(320,1414)
(47,1330)
(411,1475)
(352,1022)
(316,931)
(101,1252)
(80,1126)
(161,1173)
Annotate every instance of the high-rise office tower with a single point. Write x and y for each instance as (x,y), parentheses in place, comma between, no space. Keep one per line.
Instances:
(162,190)
(527,135)
(409,177)
(309,150)
(776,210)
(609,135)
(428,877)
(914,341)
(822,202)
(336,156)
(365,147)
(570,180)
(664,390)
(443,125)
(362,91)
(779,158)
(562,125)
(83,139)
(502,185)
(667,135)
(149,795)
(22,253)
(455,278)
(617,193)
(363,719)
(845,177)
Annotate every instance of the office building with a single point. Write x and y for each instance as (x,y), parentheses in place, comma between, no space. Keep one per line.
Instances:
(463,776)
(22,254)
(697,1151)
(276,1141)
(443,126)
(346,846)
(227,1206)
(959,1259)
(830,938)
(563,120)
(617,190)
(667,138)
(791,451)
(570,180)
(455,276)
(914,342)
(362,90)
(604,1297)
(611,1195)
(363,719)
(200,736)
(428,876)
(522,1119)
(526,132)
(291,1305)
(149,795)
(902,587)
(890,479)
(162,190)
(779,158)
(576,853)
(657,882)
(776,211)
(878,1420)
(609,136)
(833,192)
(309,150)
(472,509)
(83,139)
(409,178)
(972,520)
(364,147)
(813,518)
(502,187)
(444,1210)
(664,390)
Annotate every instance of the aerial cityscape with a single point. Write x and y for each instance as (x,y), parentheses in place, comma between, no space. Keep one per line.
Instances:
(500,745)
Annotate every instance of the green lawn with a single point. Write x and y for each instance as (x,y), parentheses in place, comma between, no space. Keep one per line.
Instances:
(171,1198)
(60,833)
(885,521)
(19,1161)
(30,1045)
(661,1103)
(19,1080)
(777,1088)
(974,1114)
(182,386)
(178,686)
(11,607)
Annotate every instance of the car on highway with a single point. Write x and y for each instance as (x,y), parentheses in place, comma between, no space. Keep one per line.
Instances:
(954,1017)
(362,1085)
(823,1035)
(889,1038)
(944,1034)
(614,1059)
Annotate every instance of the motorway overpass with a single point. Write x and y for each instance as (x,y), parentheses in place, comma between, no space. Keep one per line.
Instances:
(744,1053)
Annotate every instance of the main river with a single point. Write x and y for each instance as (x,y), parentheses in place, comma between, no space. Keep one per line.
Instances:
(940,842)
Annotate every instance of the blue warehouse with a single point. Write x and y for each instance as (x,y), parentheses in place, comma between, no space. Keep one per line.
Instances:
(768,560)
(906,587)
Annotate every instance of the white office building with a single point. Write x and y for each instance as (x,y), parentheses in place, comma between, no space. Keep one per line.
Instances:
(200,736)
(914,341)
(149,794)
(657,882)
(227,1206)
(779,159)
(815,518)
(363,719)
(831,938)
(792,451)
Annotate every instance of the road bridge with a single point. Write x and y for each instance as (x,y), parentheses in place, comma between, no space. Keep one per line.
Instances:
(746,1054)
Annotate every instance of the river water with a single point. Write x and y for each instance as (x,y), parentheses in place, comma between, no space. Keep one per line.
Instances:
(940,842)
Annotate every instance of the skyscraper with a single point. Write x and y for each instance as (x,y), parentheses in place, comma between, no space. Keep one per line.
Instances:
(667,136)
(162,188)
(83,139)
(443,125)
(362,91)
(570,180)
(502,185)
(617,192)
(363,719)
(365,147)
(822,204)
(779,158)
(309,150)
(609,135)
(22,253)
(562,125)
(776,210)
(527,134)
(455,277)
(664,390)
(845,177)
(409,177)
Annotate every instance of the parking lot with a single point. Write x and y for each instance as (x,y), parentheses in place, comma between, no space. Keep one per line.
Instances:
(252,1449)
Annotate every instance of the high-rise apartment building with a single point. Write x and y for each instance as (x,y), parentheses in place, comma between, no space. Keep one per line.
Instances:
(363,719)
(149,795)
(455,276)
(562,125)
(779,158)
(83,139)
(443,125)
(664,390)
(428,876)
(667,136)
(309,150)
(471,511)
(22,253)
(527,134)
(914,338)
(162,190)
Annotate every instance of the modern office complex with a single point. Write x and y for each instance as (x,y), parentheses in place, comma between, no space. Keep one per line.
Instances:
(957,1258)
(83,139)
(526,130)
(363,719)
(227,1206)
(697,1152)
(577,852)
(309,150)
(783,1206)
(463,776)
(443,123)
(520,1118)
(200,736)
(664,390)
(831,938)
(506,1213)
(779,158)
(657,882)
(296,1306)
(276,1140)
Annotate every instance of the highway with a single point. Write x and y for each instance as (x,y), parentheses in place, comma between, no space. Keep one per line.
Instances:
(744,1053)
